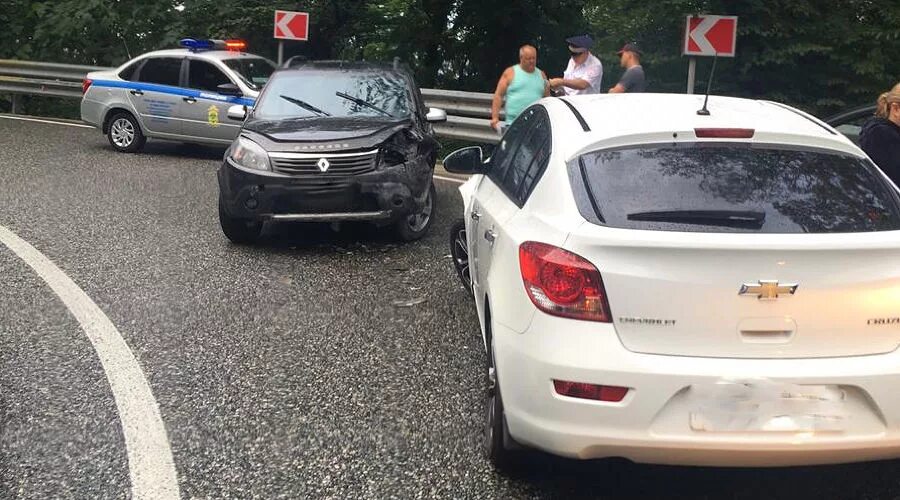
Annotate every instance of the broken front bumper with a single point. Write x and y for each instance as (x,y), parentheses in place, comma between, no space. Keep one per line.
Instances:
(383,195)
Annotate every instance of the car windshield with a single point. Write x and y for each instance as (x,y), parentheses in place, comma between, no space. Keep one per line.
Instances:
(341,94)
(733,188)
(255,71)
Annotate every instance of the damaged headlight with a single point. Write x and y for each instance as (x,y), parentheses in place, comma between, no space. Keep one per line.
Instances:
(400,148)
(248,154)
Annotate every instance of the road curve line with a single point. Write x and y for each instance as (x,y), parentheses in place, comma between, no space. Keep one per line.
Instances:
(449,179)
(150,462)
(24,119)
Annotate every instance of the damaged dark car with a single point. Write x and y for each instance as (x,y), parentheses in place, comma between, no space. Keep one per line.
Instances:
(332,142)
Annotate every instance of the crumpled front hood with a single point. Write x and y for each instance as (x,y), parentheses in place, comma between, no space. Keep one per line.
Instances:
(320,133)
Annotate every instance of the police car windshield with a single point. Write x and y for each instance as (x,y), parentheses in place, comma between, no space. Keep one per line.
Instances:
(339,93)
(255,71)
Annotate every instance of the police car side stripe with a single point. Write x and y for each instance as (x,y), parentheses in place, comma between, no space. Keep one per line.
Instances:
(165,89)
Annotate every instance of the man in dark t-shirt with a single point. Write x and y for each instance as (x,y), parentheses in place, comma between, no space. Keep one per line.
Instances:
(633,78)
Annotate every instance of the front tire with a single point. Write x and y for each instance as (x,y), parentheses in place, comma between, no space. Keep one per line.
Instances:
(239,231)
(415,226)
(125,134)
(459,251)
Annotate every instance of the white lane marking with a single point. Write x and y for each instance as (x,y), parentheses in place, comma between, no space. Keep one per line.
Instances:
(36,120)
(449,179)
(150,462)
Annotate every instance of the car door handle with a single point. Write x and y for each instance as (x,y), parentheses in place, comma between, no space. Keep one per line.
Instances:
(490,236)
(189,100)
(475,215)
(137,92)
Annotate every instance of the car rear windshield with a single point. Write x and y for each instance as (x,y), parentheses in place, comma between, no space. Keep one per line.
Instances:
(335,93)
(733,188)
(255,71)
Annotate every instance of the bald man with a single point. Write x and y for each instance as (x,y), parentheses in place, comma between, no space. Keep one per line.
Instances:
(521,85)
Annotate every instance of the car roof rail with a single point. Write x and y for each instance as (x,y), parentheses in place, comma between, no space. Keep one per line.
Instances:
(584,125)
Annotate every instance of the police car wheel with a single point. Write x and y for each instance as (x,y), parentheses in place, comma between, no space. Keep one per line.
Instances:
(414,226)
(125,134)
(239,231)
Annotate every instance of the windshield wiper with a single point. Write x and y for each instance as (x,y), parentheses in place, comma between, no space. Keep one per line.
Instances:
(305,105)
(363,102)
(727,218)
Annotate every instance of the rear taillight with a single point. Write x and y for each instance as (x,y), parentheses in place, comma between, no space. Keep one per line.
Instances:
(562,283)
(581,390)
(85,85)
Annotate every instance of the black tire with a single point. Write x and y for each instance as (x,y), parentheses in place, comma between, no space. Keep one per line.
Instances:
(124,133)
(459,251)
(415,226)
(239,231)
(499,447)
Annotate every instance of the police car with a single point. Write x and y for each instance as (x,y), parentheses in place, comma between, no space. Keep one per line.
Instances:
(179,94)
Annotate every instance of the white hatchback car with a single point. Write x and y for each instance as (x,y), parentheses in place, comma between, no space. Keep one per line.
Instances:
(675,288)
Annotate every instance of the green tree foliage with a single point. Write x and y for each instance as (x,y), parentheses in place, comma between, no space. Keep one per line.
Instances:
(819,54)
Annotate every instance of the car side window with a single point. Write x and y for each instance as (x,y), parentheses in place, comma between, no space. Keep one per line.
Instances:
(203,75)
(540,139)
(161,71)
(505,152)
(128,72)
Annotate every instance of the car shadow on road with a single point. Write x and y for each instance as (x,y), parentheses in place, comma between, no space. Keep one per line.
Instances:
(619,478)
(174,150)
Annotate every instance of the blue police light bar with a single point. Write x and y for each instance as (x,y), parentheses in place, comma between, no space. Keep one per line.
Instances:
(195,45)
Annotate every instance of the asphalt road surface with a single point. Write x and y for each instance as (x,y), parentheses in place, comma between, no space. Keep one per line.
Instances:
(318,364)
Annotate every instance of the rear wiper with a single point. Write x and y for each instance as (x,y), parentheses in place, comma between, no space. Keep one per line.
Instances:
(305,105)
(363,102)
(728,218)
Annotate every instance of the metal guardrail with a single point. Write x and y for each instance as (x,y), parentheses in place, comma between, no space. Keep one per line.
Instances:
(468,113)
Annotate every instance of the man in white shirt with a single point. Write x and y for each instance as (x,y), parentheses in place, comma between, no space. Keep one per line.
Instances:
(584,72)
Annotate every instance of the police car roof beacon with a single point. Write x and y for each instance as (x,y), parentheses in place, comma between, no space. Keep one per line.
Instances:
(712,74)
(195,45)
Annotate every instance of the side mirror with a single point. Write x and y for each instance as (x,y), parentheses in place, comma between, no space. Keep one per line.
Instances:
(229,89)
(468,160)
(237,112)
(436,115)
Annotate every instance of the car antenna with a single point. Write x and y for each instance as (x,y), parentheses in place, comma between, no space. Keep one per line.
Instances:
(712,74)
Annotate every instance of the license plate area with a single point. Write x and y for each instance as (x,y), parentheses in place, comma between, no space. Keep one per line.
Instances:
(764,406)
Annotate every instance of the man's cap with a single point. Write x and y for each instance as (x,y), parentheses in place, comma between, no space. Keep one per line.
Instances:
(630,47)
(580,41)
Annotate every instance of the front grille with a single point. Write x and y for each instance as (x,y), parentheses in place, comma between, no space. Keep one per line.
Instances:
(339,164)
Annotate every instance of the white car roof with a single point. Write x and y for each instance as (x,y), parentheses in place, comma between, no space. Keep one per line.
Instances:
(200,54)
(625,119)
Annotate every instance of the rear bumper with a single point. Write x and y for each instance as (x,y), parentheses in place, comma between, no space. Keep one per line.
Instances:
(652,423)
(384,195)
(92,112)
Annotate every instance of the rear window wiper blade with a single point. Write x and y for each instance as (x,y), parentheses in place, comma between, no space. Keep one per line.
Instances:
(729,218)
(305,105)
(363,102)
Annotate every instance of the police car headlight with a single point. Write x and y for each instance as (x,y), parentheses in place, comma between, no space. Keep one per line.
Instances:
(248,154)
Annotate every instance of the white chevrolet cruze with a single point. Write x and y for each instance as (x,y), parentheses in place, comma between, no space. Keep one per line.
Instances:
(678,287)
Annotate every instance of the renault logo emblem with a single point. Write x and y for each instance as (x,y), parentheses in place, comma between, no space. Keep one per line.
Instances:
(323,164)
(768,290)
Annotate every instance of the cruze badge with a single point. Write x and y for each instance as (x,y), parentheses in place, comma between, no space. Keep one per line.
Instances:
(768,290)
(323,164)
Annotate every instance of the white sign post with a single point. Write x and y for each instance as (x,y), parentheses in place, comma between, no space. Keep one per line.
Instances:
(708,36)
(290,26)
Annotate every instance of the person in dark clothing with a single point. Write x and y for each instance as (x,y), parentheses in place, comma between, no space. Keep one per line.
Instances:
(880,136)
(633,78)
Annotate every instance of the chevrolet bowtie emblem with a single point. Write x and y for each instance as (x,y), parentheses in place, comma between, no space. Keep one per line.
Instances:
(768,290)
(323,164)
